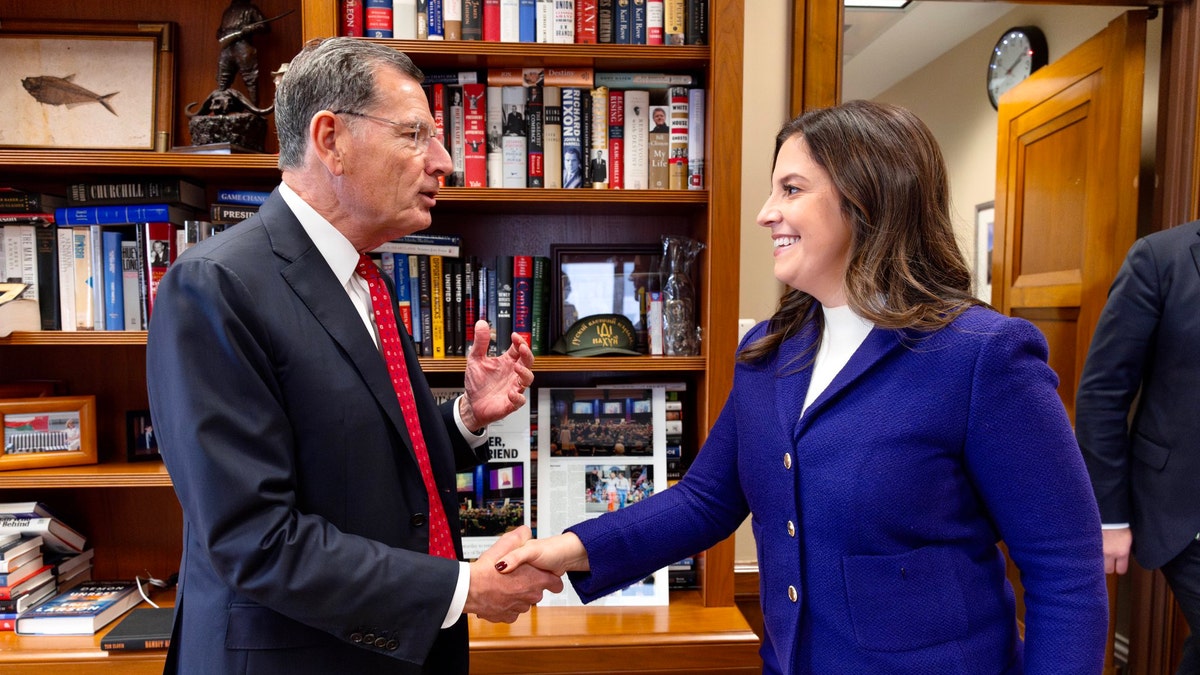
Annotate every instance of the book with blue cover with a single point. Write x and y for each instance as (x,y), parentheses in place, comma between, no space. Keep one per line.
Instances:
(121,214)
(82,610)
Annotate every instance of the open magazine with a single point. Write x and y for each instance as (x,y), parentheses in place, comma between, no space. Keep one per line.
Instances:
(495,497)
(600,450)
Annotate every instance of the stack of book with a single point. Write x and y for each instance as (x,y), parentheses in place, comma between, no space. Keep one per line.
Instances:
(25,579)
(38,552)
(630,22)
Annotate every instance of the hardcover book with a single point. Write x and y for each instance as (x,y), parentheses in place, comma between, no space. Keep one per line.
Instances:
(637,138)
(49,299)
(616,139)
(604,21)
(404,19)
(18,551)
(475,135)
(351,20)
(143,628)
(377,18)
(13,200)
(564,22)
(695,154)
(81,611)
(118,214)
(674,20)
(586,17)
(598,166)
(552,135)
(55,534)
(31,579)
(622,22)
(138,190)
(677,168)
(472,20)
(696,30)
(523,297)
(535,176)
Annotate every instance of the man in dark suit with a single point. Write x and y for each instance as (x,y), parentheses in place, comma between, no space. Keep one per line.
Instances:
(307,520)
(1145,473)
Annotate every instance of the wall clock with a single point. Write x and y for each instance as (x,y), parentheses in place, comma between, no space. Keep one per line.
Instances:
(1019,52)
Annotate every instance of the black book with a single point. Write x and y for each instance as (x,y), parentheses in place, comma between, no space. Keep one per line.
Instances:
(46,243)
(13,200)
(138,190)
(146,628)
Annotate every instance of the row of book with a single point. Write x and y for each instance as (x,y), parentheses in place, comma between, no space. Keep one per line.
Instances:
(629,22)
(441,295)
(558,128)
(40,558)
(92,260)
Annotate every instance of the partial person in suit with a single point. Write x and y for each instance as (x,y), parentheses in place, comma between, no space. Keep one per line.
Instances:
(884,432)
(311,541)
(1145,358)
(572,168)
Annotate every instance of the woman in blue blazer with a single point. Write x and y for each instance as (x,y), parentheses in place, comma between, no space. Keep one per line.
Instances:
(885,431)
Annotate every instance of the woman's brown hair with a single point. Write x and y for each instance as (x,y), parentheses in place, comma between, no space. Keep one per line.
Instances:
(905,268)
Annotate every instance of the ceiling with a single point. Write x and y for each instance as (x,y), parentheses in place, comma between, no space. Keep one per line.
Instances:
(882,47)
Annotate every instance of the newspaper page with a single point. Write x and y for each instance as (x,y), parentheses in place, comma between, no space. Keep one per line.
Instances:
(494,497)
(600,450)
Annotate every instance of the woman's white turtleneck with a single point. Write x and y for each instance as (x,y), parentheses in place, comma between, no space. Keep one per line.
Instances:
(843,333)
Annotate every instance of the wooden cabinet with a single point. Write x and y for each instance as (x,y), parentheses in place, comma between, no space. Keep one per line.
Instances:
(129,510)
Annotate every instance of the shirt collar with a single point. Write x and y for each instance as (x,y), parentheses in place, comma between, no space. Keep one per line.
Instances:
(337,250)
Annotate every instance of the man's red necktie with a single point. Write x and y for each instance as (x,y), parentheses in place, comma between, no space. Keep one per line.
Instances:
(440,541)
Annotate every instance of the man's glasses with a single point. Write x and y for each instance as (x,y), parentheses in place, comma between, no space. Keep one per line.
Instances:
(419,132)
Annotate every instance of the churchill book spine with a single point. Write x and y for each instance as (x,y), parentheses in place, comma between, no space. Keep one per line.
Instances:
(148,190)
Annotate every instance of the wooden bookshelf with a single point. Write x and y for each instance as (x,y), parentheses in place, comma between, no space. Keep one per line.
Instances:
(129,510)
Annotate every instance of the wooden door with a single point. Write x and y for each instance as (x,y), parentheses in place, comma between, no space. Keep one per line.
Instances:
(1066,190)
(1067,197)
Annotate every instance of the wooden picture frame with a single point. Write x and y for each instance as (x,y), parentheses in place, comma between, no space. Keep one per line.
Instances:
(584,282)
(985,227)
(48,431)
(141,443)
(94,85)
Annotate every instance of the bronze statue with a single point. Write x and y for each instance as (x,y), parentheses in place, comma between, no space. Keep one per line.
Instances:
(228,115)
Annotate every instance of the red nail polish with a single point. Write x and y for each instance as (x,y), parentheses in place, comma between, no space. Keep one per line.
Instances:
(501,566)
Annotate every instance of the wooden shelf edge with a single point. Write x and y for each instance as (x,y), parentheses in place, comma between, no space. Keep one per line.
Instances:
(90,159)
(109,475)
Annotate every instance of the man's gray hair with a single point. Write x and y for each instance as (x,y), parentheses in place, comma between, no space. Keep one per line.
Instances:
(329,74)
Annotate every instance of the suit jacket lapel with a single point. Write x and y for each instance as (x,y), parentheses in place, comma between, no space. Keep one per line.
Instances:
(309,275)
(877,344)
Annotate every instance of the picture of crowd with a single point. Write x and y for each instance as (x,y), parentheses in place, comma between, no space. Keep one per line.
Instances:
(609,488)
(492,519)
(602,438)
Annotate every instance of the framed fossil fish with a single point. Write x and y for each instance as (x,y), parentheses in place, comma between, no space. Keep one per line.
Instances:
(93,85)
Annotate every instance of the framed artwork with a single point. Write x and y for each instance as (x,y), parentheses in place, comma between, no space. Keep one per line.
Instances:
(97,85)
(985,228)
(142,443)
(48,431)
(588,279)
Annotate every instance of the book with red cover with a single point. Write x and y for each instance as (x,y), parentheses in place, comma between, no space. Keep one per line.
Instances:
(475,135)
(491,20)
(351,18)
(585,22)
(34,578)
(616,139)
(156,243)
(522,311)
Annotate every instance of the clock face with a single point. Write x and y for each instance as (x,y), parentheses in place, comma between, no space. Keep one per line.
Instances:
(1018,53)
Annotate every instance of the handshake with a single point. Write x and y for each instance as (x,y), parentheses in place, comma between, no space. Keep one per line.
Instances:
(511,576)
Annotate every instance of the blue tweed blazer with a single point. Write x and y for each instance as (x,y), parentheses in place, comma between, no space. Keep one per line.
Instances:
(877,513)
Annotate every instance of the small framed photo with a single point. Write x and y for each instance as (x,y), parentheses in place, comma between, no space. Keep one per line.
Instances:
(99,85)
(48,431)
(985,229)
(589,279)
(139,430)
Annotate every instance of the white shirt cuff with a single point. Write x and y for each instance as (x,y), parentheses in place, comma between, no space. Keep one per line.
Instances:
(460,595)
(474,440)
(1114,526)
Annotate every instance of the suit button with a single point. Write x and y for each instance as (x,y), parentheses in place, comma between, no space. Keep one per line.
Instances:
(791,529)
(381,642)
(792,593)
(417,520)
(392,645)
(369,638)
(356,638)
(787,460)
